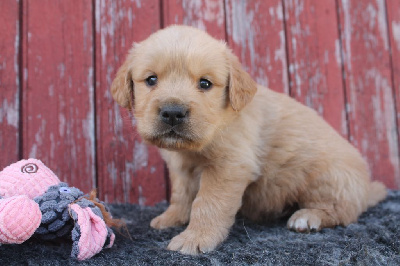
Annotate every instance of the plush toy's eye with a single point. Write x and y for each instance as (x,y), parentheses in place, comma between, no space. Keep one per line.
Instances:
(205,84)
(151,80)
(29,168)
(65,190)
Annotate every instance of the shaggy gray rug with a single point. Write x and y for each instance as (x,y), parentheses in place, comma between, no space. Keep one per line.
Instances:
(374,240)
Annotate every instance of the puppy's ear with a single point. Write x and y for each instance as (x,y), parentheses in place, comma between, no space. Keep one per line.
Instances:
(242,87)
(122,85)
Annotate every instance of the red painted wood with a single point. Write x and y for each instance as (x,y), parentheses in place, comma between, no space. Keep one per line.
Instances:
(256,34)
(128,170)
(314,59)
(207,15)
(9,82)
(58,123)
(371,108)
(393,12)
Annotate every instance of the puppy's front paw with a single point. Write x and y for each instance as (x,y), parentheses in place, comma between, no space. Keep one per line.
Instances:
(304,221)
(169,218)
(164,221)
(192,242)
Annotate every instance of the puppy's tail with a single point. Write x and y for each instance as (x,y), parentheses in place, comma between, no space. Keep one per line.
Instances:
(377,192)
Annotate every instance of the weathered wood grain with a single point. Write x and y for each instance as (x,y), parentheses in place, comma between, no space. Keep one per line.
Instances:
(335,62)
(9,82)
(128,170)
(370,105)
(207,15)
(393,12)
(315,66)
(58,122)
(255,32)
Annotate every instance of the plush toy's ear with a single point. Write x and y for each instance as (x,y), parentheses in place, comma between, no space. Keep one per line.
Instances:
(122,86)
(90,233)
(242,87)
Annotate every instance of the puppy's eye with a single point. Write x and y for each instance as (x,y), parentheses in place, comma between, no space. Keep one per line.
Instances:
(205,84)
(151,80)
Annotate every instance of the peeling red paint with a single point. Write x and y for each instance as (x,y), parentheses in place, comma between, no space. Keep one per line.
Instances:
(314,66)
(9,82)
(368,84)
(255,31)
(124,163)
(58,124)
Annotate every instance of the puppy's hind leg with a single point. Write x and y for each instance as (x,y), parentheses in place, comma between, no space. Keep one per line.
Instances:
(336,198)
(306,220)
(330,202)
(315,216)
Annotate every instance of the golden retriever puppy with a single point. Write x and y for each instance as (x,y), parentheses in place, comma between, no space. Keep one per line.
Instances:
(232,145)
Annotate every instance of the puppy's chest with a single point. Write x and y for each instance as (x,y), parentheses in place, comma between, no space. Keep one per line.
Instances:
(194,171)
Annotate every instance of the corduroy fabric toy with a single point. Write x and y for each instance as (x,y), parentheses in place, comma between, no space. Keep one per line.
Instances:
(33,201)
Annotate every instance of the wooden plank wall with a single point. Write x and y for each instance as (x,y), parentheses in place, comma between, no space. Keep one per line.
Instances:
(57,88)
(128,170)
(368,86)
(59,57)
(393,23)
(10,87)
(315,67)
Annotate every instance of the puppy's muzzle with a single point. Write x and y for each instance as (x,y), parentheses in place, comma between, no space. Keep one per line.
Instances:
(174,114)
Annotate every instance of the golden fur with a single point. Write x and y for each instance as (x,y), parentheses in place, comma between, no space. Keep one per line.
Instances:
(242,147)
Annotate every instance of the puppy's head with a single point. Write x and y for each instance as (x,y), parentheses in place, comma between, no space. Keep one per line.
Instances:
(183,85)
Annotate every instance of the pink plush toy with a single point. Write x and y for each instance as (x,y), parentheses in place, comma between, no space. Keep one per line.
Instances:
(33,201)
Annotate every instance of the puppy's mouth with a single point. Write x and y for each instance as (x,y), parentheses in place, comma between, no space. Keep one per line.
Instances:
(172,138)
(173,134)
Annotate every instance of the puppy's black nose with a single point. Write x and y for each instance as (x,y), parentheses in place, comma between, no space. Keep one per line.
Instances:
(173,114)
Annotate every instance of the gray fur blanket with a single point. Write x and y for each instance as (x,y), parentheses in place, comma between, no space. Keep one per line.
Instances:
(374,240)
